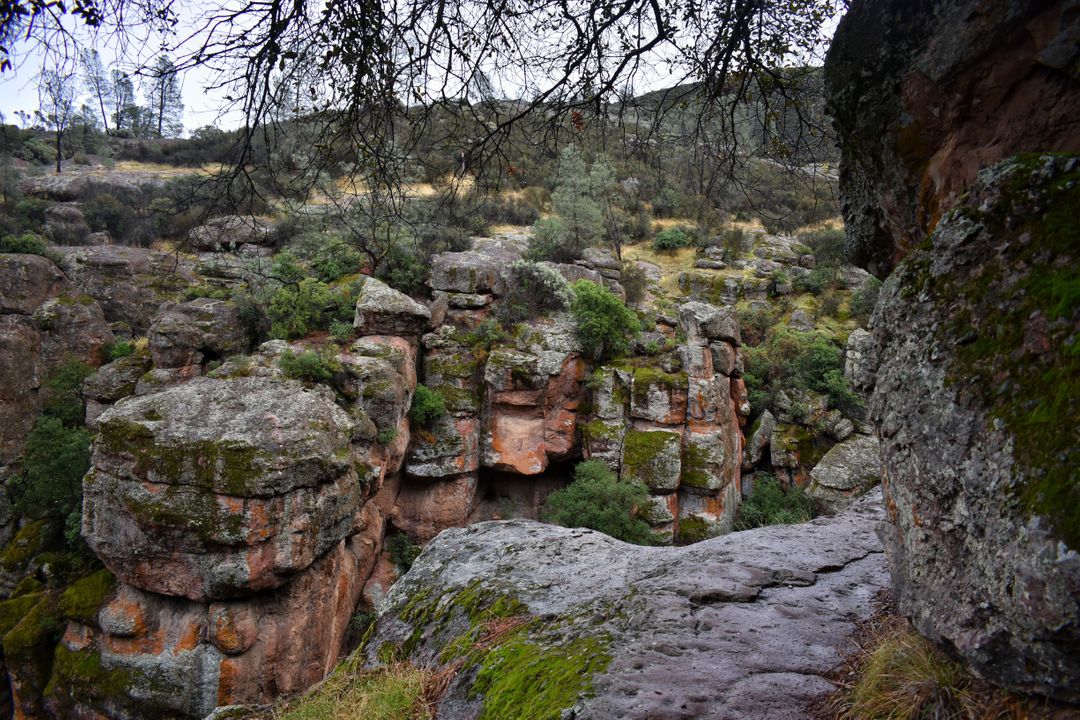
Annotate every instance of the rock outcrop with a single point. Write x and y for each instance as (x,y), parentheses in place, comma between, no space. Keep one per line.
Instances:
(925,96)
(976,400)
(45,322)
(571,621)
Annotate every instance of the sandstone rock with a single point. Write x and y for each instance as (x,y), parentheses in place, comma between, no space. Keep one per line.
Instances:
(653,457)
(426,507)
(381,310)
(468,272)
(977,420)
(724,357)
(76,184)
(27,281)
(448,447)
(190,333)
(747,625)
(113,382)
(703,323)
(181,659)
(229,233)
(216,488)
(760,437)
(849,469)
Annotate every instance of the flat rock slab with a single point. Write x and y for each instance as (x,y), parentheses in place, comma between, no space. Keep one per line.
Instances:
(743,625)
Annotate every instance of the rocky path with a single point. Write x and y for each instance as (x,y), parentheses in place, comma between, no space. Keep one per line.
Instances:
(741,626)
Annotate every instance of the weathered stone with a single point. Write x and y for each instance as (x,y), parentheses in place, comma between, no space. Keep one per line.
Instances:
(468,300)
(113,382)
(216,488)
(426,507)
(760,437)
(747,625)
(703,323)
(467,272)
(975,400)
(653,457)
(65,224)
(860,360)
(130,283)
(723,357)
(849,469)
(658,396)
(449,446)
(27,281)
(229,233)
(800,320)
(381,310)
(193,332)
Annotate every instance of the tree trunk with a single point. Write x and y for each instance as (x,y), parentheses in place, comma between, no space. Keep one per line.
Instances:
(59,137)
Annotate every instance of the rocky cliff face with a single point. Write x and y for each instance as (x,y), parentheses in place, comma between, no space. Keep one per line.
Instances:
(925,94)
(534,618)
(975,332)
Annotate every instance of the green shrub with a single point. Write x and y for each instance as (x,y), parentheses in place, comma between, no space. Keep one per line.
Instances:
(119,349)
(386,436)
(105,213)
(605,326)
(864,300)
(341,331)
(54,462)
(301,307)
(671,240)
(531,289)
(29,213)
(827,246)
(27,243)
(735,243)
(63,393)
(790,359)
(427,405)
(634,282)
(403,270)
(309,366)
(829,305)
(768,504)
(551,241)
(598,500)
(403,551)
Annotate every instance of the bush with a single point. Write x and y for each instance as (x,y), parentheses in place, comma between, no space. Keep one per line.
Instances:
(105,213)
(827,246)
(402,270)
(531,289)
(768,504)
(403,551)
(864,300)
(598,500)
(29,244)
(301,307)
(427,405)
(63,393)
(735,242)
(605,326)
(551,241)
(119,349)
(54,462)
(308,366)
(503,210)
(634,282)
(790,359)
(341,331)
(671,240)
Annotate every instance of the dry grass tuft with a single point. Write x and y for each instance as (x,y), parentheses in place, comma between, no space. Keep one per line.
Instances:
(896,674)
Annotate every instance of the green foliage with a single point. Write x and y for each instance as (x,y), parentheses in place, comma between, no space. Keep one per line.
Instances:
(735,243)
(403,551)
(119,349)
(386,436)
(634,282)
(598,500)
(605,326)
(790,359)
(396,691)
(403,270)
(768,504)
(532,288)
(427,405)
(63,393)
(303,306)
(550,242)
(27,243)
(671,240)
(864,300)
(341,331)
(54,462)
(827,246)
(105,213)
(309,366)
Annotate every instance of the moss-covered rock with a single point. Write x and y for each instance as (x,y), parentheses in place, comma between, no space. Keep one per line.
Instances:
(653,457)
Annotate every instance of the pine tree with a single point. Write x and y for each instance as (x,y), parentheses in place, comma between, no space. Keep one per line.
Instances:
(97,83)
(574,202)
(121,100)
(166,104)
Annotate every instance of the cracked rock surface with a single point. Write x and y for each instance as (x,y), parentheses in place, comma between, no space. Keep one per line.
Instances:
(743,625)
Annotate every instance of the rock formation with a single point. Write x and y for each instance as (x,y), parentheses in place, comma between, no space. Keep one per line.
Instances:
(975,391)
(548,619)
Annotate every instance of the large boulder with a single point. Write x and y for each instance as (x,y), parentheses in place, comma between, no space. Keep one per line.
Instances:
(542,620)
(846,471)
(193,332)
(230,233)
(923,96)
(977,401)
(382,310)
(129,283)
(218,488)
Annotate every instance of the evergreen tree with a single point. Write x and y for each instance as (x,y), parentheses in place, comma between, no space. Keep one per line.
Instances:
(121,100)
(166,104)
(574,202)
(97,83)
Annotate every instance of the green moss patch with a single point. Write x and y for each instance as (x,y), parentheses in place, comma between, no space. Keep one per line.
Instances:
(84,598)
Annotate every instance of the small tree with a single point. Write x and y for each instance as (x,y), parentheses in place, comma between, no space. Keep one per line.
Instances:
(166,105)
(97,83)
(600,501)
(574,200)
(57,95)
(605,326)
(121,100)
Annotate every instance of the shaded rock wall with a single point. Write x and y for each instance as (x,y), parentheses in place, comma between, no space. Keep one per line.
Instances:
(925,94)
